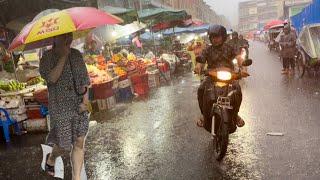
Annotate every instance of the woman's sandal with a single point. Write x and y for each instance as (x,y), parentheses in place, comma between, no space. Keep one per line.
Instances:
(48,168)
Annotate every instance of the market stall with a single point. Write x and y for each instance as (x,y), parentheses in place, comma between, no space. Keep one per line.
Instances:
(23,101)
(123,76)
(117,79)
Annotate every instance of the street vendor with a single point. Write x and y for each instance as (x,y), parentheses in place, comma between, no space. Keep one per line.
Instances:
(91,48)
(2,55)
(67,79)
(176,46)
(106,52)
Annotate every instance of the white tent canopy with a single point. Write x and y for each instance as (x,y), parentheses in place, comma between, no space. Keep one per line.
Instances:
(111,33)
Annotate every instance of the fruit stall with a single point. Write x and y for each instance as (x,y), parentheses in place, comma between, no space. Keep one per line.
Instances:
(113,81)
(123,77)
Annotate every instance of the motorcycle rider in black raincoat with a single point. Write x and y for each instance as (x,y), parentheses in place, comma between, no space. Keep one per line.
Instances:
(219,53)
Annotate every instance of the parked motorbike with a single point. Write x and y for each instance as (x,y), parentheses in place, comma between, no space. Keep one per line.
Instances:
(185,59)
(223,93)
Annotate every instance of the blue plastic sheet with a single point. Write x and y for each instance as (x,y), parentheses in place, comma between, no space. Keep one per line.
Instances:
(310,15)
(197,29)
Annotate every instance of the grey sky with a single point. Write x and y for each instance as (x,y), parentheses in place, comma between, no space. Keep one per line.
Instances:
(229,8)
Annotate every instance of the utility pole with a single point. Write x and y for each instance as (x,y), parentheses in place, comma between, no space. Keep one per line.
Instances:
(140,4)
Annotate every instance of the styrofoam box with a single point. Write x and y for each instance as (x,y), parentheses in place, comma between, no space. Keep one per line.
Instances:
(102,104)
(111,102)
(124,84)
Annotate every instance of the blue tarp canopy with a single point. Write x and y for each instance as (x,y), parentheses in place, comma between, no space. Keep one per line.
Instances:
(309,15)
(149,36)
(197,29)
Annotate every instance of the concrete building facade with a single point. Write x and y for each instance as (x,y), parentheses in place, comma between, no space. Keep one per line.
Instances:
(248,16)
(254,14)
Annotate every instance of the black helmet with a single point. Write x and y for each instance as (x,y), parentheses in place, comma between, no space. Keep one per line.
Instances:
(217,30)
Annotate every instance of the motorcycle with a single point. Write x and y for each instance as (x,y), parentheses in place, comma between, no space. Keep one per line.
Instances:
(224,92)
(185,59)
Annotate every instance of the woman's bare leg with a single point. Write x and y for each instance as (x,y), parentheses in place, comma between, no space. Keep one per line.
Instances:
(77,157)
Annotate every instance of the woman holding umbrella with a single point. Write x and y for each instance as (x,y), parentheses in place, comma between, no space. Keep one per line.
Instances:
(65,73)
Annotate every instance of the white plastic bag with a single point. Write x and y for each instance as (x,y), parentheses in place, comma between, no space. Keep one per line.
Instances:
(58,166)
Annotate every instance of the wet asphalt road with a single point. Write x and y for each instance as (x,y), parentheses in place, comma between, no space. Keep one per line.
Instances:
(156,138)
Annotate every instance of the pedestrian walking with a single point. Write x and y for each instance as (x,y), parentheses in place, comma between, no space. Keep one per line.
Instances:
(288,47)
(67,79)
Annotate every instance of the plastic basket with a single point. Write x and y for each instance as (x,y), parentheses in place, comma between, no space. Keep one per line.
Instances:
(141,89)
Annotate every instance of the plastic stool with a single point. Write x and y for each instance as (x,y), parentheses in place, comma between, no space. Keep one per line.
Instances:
(7,123)
(44,111)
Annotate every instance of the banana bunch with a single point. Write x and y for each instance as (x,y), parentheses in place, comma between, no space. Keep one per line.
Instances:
(3,85)
(36,80)
(12,86)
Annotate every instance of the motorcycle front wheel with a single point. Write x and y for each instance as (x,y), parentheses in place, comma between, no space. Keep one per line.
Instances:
(221,140)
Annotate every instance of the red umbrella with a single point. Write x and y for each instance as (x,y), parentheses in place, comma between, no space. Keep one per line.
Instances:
(273,23)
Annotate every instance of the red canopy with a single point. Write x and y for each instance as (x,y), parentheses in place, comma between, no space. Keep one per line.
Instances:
(273,23)
(178,23)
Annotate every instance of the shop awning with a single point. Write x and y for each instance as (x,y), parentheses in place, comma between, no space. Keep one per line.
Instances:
(114,32)
(155,16)
(128,15)
(191,29)
(17,24)
(172,24)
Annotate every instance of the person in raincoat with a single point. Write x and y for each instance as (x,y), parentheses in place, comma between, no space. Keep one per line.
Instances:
(196,47)
(288,48)
(67,80)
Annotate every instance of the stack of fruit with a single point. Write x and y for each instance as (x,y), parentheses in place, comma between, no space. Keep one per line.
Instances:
(98,76)
(101,63)
(120,71)
(36,80)
(131,57)
(117,57)
(12,86)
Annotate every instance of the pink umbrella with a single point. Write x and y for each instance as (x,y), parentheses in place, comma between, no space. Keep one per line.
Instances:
(273,23)
(78,20)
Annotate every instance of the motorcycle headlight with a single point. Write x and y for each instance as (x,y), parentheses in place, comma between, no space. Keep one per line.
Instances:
(224,75)
(235,61)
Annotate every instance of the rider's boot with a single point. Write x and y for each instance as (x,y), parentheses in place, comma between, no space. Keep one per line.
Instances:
(239,121)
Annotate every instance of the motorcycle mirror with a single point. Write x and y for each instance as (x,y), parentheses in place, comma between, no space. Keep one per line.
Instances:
(247,62)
